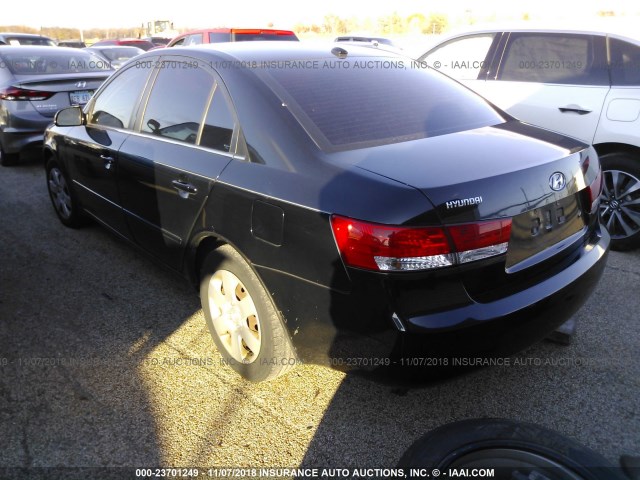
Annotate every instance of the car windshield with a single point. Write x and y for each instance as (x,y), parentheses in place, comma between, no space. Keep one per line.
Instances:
(56,62)
(370,101)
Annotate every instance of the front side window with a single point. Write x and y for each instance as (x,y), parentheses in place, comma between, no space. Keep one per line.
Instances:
(113,106)
(569,59)
(195,39)
(625,63)
(177,101)
(463,58)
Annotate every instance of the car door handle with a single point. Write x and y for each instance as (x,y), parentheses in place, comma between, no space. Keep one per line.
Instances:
(574,109)
(184,189)
(108,161)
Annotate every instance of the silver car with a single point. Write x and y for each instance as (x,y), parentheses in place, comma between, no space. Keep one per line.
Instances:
(36,82)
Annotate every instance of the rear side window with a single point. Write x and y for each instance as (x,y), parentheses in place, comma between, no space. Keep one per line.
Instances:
(113,107)
(53,61)
(569,59)
(625,63)
(177,101)
(371,101)
(217,37)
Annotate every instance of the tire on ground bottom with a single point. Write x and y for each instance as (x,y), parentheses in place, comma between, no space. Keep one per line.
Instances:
(242,319)
(507,447)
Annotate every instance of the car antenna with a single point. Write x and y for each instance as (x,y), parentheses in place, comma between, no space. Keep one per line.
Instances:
(339,52)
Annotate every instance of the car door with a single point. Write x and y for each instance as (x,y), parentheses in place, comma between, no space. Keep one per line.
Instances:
(620,122)
(558,81)
(93,151)
(185,139)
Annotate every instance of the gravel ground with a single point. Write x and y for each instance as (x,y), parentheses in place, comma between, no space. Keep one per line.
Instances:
(97,349)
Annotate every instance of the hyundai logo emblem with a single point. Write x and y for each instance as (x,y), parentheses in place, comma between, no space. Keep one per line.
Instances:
(557,182)
(81,84)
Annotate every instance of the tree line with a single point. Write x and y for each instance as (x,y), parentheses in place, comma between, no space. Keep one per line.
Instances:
(392,24)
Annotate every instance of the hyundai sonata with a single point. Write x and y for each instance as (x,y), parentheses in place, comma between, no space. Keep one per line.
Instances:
(335,203)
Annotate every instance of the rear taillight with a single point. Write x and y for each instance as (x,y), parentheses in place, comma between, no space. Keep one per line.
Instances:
(12,93)
(593,176)
(379,247)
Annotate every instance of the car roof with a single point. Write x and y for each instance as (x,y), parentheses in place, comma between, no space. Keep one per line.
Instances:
(238,29)
(276,51)
(36,49)
(624,29)
(26,35)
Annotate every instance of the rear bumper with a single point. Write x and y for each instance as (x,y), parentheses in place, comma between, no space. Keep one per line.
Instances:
(15,142)
(568,287)
(510,324)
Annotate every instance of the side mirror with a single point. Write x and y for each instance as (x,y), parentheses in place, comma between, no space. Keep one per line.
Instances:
(69,117)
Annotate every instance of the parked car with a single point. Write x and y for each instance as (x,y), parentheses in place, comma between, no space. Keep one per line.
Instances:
(585,84)
(72,43)
(325,212)
(375,42)
(115,55)
(216,35)
(126,42)
(365,39)
(36,82)
(14,39)
(158,41)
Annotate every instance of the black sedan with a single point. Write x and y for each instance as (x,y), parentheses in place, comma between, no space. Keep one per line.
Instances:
(36,82)
(335,203)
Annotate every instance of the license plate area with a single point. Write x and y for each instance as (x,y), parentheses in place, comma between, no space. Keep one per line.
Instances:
(80,97)
(537,230)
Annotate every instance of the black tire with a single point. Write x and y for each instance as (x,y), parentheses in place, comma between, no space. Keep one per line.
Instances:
(242,319)
(62,196)
(507,447)
(8,159)
(618,212)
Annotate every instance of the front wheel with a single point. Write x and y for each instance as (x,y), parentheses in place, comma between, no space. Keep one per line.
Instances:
(242,319)
(620,199)
(511,449)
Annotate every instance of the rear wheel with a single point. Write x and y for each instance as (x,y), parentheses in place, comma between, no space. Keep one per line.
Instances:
(62,197)
(620,199)
(512,449)
(242,319)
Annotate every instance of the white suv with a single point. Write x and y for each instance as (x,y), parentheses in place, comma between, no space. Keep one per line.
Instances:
(585,84)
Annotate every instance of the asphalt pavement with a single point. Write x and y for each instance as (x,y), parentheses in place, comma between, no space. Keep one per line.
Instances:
(105,361)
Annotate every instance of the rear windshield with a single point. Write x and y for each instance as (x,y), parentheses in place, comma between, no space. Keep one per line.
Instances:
(55,62)
(360,102)
(250,37)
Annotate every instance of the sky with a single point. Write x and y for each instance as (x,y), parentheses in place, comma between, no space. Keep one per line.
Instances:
(283,13)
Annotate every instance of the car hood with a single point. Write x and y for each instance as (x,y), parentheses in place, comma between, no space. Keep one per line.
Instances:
(490,172)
